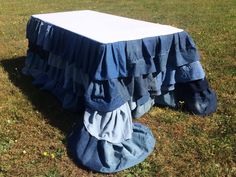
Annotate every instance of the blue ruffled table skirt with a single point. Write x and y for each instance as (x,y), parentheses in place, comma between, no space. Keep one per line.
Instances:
(113,84)
(111,135)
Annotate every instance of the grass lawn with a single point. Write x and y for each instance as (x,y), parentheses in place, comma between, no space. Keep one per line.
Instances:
(33,126)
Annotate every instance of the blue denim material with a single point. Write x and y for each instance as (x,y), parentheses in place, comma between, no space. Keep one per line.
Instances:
(114,127)
(73,88)
(105,95)
(113,60)
(167,99)
(103,77)
(140,110)
(203,103)
(52,79)
(113,93)
(196,97)
(105,157)
(107,75)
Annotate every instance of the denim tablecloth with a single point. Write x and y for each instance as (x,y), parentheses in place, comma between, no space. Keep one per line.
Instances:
(115,69)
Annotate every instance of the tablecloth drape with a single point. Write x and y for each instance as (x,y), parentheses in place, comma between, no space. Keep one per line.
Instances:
(114,79)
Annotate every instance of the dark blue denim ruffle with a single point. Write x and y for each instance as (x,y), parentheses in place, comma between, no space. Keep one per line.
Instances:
(105,95)
(195,97)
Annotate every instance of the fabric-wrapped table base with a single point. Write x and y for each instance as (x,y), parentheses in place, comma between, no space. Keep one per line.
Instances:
(195,97)
(106,157)
(115,126)
(108,141)
(74,87)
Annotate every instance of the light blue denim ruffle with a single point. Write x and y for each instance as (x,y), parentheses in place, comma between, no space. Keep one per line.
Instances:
(106,157)
(114,127)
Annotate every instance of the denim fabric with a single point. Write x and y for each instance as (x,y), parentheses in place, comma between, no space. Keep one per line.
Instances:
(189,72)
(114,127)
(113,60)
(106,95)
(82,73)
(72,85)
(140,110)
(167,99)
(196,97)
(102,156)
(203,103)
(192,87)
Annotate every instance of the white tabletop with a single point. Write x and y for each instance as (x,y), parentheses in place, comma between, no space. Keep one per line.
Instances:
(105,28)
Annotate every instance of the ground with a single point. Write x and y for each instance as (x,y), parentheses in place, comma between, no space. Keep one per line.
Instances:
(33,126)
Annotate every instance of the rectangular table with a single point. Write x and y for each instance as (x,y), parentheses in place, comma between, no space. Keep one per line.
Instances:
(114,68)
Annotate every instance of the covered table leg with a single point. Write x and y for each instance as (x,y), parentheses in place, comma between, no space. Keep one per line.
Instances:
(110,142)
(195,97)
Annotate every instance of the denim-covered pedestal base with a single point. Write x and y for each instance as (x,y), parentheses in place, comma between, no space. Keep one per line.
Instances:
(107,157)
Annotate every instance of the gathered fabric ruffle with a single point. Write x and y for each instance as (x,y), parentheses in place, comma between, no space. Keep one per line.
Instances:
(106,157)
(105,95)
(114,127)
(112,60)
(113,83)
(140,110)
(195,97)
(75,90)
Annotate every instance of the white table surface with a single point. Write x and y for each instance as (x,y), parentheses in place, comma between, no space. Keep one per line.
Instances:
(105,28)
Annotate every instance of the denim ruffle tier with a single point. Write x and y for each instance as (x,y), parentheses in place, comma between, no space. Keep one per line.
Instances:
(114,83)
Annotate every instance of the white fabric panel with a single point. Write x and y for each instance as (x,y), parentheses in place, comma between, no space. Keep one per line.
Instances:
(105,28)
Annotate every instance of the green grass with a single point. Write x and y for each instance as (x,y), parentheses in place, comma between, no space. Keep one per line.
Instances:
(33,126)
